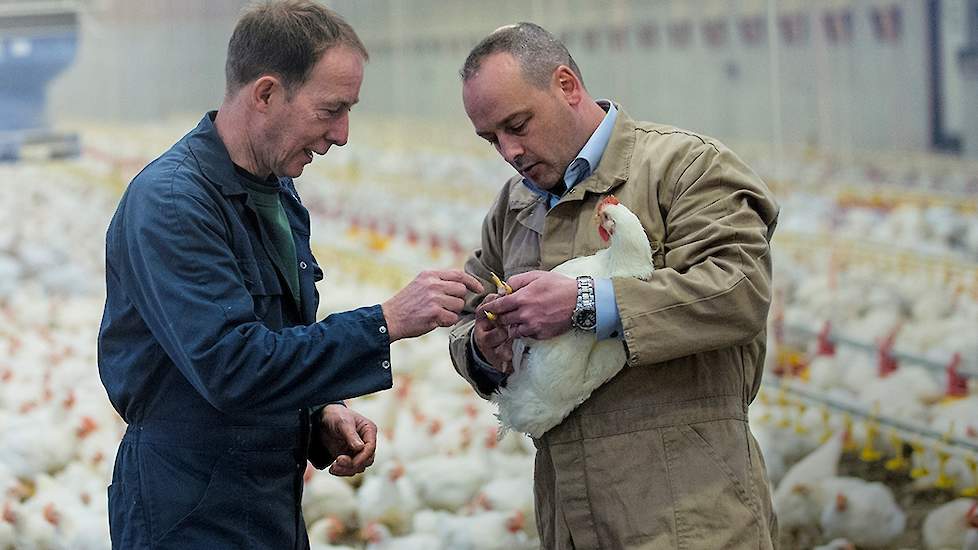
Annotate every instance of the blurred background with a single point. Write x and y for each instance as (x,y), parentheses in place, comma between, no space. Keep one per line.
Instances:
(862,116)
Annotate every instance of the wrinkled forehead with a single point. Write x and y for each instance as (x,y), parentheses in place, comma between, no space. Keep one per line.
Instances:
(339,72)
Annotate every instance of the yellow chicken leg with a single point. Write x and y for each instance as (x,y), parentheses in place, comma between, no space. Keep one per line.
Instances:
(501,288)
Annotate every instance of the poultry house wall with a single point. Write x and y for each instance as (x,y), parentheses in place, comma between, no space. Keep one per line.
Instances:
(701,64)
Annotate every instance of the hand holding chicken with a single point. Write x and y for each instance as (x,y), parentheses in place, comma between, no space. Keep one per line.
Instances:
(540,306)
(493,338)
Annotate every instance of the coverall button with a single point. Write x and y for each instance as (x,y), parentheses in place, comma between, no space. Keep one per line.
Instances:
(383,330)
(302,265)
(386,364)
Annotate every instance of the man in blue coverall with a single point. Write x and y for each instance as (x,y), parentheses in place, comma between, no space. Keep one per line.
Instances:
(209,347)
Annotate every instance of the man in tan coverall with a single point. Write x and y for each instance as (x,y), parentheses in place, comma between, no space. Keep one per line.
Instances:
(660,456)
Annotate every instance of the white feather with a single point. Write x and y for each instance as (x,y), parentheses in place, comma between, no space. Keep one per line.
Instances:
(557,375)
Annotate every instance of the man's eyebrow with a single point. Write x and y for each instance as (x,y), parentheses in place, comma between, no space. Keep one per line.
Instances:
(337,103)
(486,134)
(513,116)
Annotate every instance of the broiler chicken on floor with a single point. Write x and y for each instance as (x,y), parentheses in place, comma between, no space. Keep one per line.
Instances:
(948,526)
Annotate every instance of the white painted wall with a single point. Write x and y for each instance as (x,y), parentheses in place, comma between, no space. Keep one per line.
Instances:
(144,60)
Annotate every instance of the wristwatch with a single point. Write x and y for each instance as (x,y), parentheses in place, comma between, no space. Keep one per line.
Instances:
(585,316)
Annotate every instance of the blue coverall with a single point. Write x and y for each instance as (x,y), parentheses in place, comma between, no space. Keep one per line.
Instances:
(212,366)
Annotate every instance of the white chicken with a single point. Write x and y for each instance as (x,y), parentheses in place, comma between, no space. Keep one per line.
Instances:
(327,496)
(510,494)
(948,526)
(389,498)
(797,499)
(27,451)
(904,394)
(411,438)
(958,417)
(8,522)
(378,537)
(321,546)
(448,482)
(490,530)
(12,525)
(865,513)
(324,532)
(559,374)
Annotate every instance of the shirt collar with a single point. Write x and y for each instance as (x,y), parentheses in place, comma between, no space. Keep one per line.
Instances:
(590,155)
(213,158)
(593,150)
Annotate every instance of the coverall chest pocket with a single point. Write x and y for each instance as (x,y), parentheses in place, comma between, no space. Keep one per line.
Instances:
(262,282)
(521,252)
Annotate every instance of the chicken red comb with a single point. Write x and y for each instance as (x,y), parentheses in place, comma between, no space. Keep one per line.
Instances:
(610,199)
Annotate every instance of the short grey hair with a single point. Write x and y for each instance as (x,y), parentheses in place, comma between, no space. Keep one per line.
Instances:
(538,52)
(285,38)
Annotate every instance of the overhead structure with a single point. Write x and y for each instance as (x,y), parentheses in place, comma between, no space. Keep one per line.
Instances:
(968,62)
(38,40)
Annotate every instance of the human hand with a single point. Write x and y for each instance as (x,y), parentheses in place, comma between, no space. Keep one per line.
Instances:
(350,437)
(493,340)
(433,299)
(540,306)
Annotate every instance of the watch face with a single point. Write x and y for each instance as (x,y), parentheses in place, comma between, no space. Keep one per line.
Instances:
(585,320)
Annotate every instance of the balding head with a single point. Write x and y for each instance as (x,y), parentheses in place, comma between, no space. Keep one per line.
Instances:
(538,52)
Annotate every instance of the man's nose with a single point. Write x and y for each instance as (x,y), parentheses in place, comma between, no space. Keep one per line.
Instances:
(339,132)
(510,149)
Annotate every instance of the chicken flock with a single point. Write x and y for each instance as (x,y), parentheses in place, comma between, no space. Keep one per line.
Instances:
(842,327)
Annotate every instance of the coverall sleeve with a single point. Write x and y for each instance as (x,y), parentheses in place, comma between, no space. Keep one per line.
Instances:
(174,263)
(714,291)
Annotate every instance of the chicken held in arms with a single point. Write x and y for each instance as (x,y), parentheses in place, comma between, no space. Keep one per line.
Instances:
(552,377)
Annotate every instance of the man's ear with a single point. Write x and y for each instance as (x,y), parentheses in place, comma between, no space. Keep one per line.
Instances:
(263,92)
(569,85)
